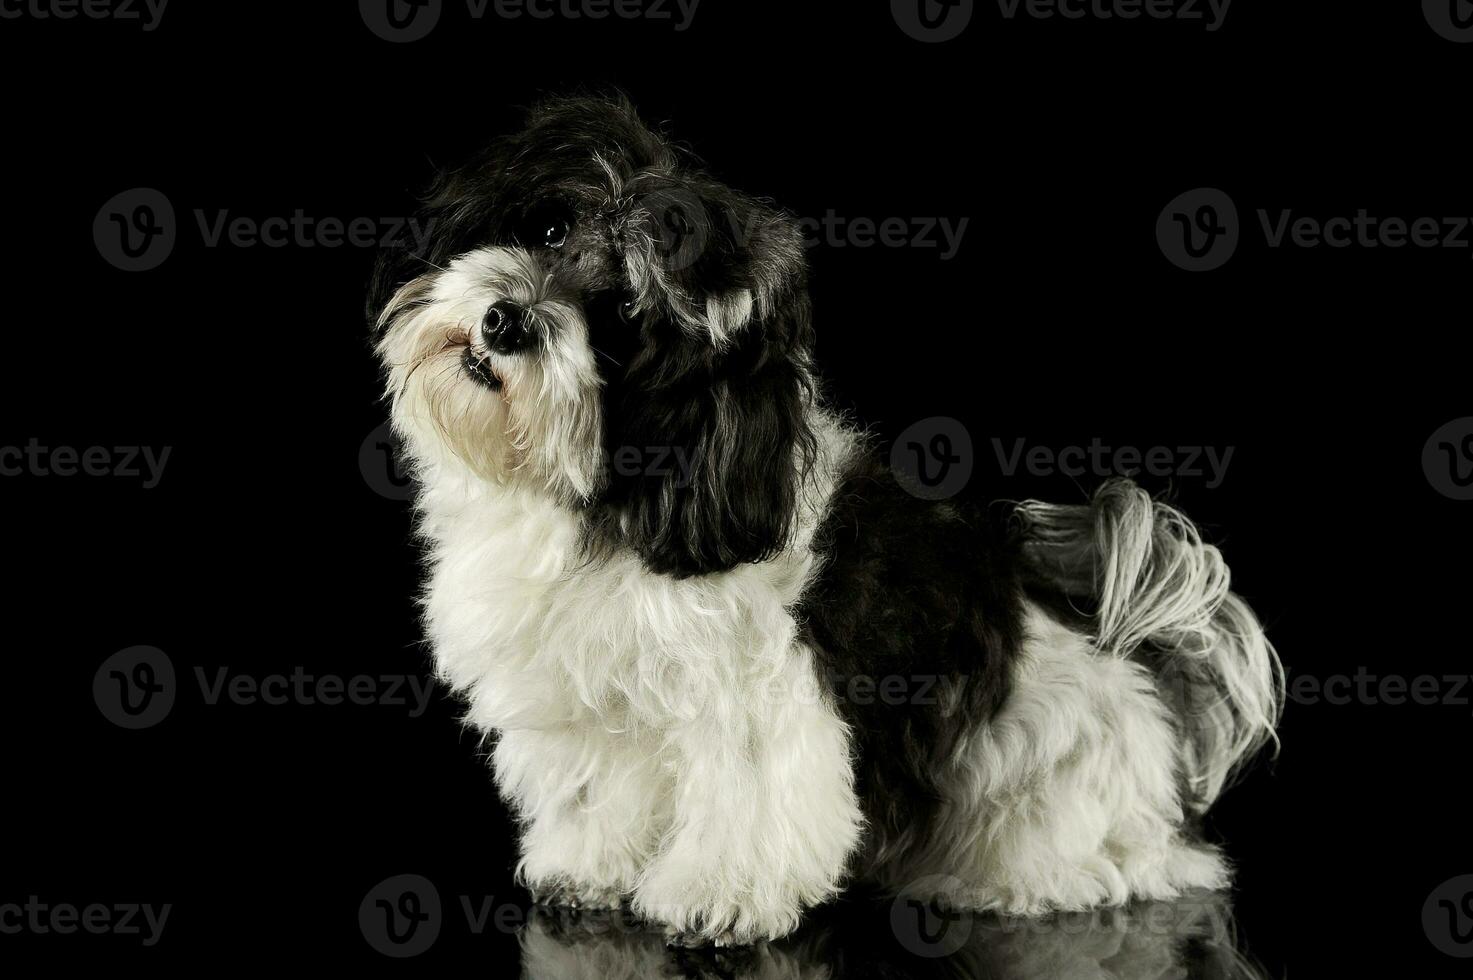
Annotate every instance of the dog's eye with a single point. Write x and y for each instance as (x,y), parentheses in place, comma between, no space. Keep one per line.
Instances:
(628,308)
(545,227)
(554,233)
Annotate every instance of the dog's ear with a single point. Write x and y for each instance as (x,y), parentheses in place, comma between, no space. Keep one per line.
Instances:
(726,383)
(721,462)
(729,404)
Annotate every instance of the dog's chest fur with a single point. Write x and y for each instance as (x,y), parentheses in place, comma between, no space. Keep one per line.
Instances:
(538,637)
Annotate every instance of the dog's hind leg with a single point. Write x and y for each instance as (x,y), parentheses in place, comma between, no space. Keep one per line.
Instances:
(1069,799)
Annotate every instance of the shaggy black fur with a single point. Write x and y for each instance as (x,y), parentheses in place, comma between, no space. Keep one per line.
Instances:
(924,598)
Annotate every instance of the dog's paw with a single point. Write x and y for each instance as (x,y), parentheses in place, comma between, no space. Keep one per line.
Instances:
(678,939)
(695,911)
(564,895)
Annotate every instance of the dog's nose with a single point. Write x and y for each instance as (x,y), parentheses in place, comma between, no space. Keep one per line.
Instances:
(507,328)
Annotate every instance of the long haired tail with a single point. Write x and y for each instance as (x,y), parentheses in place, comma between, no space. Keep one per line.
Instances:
(1158,594)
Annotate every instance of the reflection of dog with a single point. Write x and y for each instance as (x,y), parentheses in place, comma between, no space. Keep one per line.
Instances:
(646,642)
(1190,937)
(611,946)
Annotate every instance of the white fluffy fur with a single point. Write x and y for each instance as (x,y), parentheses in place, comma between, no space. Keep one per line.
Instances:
(1067,800)
(640,737)
(661,738)
(1160,589)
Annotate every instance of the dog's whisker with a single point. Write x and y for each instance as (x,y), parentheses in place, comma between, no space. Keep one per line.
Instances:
(611,358)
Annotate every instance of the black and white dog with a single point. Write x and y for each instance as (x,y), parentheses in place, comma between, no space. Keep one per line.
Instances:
(658,562)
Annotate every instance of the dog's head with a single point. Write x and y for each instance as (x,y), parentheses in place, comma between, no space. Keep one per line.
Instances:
(596,318)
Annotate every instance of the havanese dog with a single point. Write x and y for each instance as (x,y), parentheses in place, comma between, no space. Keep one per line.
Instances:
(727,661)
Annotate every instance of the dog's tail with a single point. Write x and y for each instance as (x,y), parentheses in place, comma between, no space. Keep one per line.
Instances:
(1156,593)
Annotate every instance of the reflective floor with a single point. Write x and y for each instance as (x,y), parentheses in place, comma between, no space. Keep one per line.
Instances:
(1190,938)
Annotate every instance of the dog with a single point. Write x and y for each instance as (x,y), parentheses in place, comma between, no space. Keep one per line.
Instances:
(728,662)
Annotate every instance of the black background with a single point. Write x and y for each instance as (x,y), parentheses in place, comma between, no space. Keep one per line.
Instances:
(264,549)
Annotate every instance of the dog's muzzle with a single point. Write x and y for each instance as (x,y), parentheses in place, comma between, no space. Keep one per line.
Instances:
(507,328)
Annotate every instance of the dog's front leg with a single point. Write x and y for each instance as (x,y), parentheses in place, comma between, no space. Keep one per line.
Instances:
(765,813)
(592,805)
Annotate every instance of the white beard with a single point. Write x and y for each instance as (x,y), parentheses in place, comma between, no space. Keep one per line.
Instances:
(542,429)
